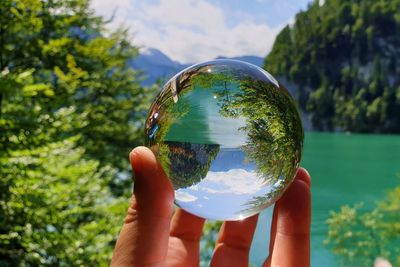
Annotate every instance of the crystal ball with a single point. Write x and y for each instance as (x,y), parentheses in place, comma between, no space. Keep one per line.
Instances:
(228,136)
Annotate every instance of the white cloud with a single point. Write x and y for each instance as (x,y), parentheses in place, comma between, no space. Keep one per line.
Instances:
(107,8)
(188,30)
(184,196)
(234,181)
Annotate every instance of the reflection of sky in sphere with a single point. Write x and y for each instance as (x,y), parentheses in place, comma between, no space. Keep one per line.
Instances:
(228,186)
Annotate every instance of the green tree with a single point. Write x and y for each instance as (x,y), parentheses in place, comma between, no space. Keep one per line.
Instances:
(70,109)
(75,63)
(56,208)
(359,236)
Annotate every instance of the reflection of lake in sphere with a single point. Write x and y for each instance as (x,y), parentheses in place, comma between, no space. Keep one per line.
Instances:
(228,136)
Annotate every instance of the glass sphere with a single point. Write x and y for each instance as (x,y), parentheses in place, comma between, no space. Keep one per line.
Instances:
(229,137)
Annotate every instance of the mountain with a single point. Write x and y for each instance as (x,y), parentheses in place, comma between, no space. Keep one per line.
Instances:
(155,65)
(343,59)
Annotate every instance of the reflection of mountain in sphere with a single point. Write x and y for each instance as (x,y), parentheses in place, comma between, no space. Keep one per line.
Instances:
(228,136)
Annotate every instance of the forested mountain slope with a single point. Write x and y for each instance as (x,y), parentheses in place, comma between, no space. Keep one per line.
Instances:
(344,58)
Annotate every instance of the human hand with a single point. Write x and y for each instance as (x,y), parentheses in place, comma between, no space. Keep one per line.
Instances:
(152,237)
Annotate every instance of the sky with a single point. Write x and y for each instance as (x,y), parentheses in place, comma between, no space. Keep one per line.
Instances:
(190,31)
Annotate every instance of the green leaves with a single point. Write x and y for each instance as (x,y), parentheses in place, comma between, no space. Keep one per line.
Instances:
(56,207)
(70,111)
(360,236)
(34,89)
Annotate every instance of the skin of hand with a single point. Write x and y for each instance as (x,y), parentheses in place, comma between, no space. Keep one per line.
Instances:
(153,236)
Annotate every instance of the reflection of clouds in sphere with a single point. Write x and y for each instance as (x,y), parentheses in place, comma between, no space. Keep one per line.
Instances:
(235,181)
(228,136)
(184,197)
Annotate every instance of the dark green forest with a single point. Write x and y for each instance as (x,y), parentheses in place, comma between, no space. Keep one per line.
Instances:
(344,59)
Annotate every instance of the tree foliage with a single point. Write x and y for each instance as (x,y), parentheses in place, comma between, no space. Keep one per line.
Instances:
(73,63)
(361,236)
(56,208)
(344,58)
(70,109)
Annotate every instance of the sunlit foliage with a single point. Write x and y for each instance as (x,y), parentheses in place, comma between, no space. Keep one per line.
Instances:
(70,110)
(360,236)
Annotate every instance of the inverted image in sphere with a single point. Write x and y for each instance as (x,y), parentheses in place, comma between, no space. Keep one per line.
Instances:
(228,136)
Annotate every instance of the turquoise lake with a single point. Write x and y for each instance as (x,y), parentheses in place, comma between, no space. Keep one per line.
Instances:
(345,169)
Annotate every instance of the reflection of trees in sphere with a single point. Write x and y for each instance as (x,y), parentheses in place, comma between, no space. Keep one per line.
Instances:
(228,136)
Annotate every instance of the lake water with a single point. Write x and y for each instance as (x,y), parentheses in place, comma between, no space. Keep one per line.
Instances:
(345,169)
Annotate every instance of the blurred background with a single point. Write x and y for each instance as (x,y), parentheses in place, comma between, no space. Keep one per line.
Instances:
(77,78)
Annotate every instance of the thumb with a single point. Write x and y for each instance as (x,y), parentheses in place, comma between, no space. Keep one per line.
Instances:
(143,240)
